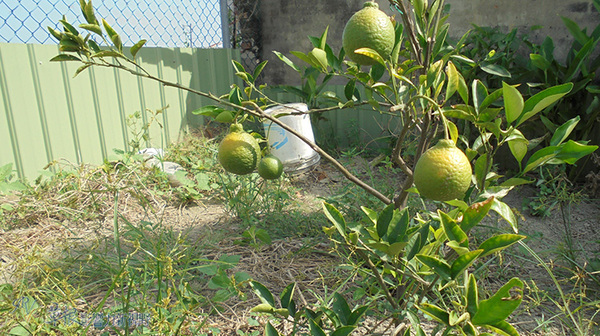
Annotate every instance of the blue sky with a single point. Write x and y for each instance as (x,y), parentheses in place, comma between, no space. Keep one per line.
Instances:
(164,23)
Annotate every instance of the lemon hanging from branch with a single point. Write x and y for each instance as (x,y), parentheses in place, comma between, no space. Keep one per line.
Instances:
(239,152)
(443,172)
(369,28)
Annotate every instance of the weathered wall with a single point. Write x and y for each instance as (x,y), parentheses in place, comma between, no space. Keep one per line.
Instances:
(287,23)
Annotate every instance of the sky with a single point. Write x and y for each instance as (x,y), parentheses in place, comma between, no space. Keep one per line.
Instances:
(164,23)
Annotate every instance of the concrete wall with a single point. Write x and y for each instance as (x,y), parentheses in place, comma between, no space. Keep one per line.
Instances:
(287,23)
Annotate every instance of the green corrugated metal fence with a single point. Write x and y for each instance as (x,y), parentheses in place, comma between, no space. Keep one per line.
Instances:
(46,114)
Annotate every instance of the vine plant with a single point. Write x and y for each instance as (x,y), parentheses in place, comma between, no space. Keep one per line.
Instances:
(420,261)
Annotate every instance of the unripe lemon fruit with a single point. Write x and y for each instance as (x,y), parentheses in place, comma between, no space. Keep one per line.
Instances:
(369,28)
(443,172)
(225,117)
(239,151)
(270,167)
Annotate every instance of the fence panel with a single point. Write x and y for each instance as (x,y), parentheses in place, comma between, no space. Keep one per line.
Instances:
(47,114)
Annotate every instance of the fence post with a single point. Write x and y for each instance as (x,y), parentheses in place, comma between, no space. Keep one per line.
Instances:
(225,24)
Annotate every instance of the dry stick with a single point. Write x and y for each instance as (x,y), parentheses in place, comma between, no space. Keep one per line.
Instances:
(260,113)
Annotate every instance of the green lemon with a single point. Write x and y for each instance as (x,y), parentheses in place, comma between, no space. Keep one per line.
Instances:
(369,28)
(225,117)
(270,167)
(239,152)
(443,172)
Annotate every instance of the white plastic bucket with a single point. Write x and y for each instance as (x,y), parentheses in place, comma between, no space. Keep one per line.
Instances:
(294,153)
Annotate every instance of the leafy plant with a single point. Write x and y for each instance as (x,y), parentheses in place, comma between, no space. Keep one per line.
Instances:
(420,259)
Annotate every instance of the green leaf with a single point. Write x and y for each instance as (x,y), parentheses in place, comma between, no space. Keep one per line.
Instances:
(341,308)
(453,230)
(495,69)
(463,262)
(463,90)
(499,242)
(453,79)
(136,47)
(69,27)
(460,250)
(513,102)
(319,57)
(503,328)
(323,39)
(304,57)
(480,93)
(472,296)
(357,314)
(19,331)
(435,312)
(563,132)
(460,112)
(349,89)
(572,151)
(574,29)
(398,226)
(57,35)
(440,267)
(94,46)
(238,66)
(578,61)
(413,246)
(541,100)
(335,217)
(209,111)
(287,296)
(371,214)
(452,131)
(259,68)
(270,330)
(343,331)
(384,219)
(540,157)
(65,58)
(518,145)
(539,61)
(114,37)
(481,170)
(108,53)
(88,12)
(94,28)
(314,328)
(515,181)
(489,100)
(81,69)
(68,45)
(505,212)
(287,61)
(498,307)
(263,293)
(371,54)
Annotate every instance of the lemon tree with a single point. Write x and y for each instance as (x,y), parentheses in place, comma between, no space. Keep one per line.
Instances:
(412,254)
